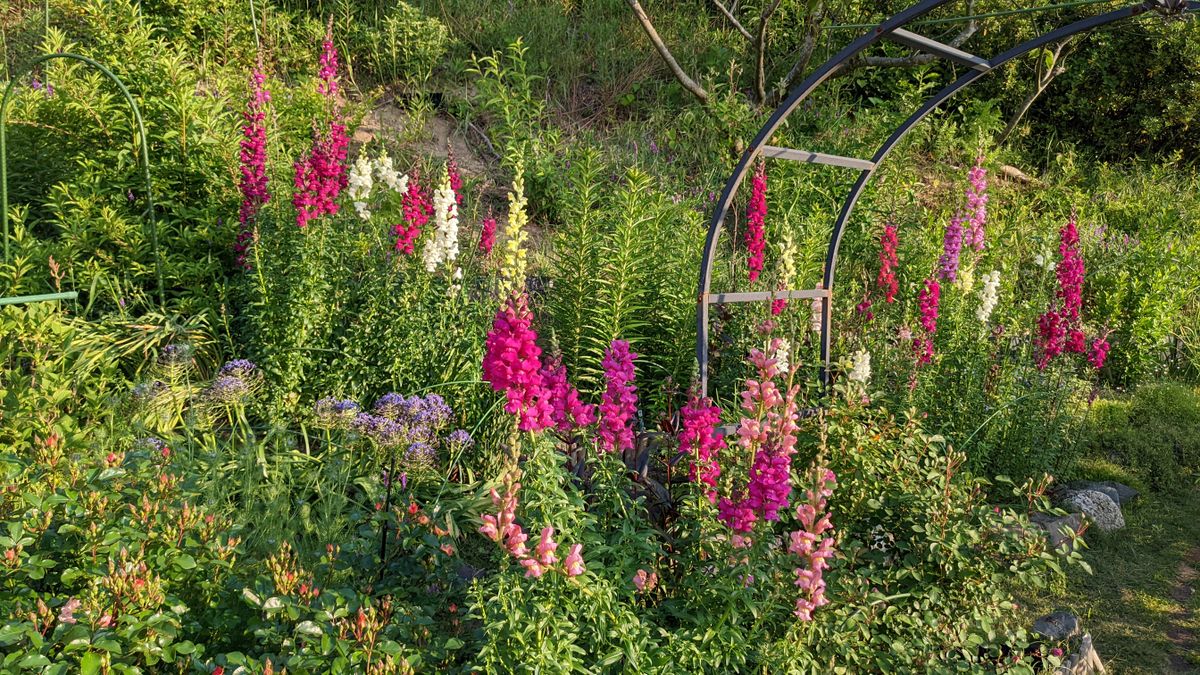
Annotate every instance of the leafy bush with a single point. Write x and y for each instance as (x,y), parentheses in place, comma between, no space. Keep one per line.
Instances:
(1155,432)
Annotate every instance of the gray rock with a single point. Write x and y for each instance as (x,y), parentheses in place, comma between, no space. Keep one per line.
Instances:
(1059,528)
(1085,660)
(1098,507)
(1120,493)
(1057,626)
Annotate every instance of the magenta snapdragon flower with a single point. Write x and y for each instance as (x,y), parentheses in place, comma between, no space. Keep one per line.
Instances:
(567,410)
(320,174)
(253,162)
(698,438)
(756,215)
(1070,271)
(618,405)
(929,299)
(512,364)
(487,235)
(455,176)
(1099,351)
(888,263)
(417,208)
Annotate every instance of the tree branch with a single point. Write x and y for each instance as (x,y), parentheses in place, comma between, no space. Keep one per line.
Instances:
(733,20)
(687,82)
(913,60)
(760,48)
(1046,72)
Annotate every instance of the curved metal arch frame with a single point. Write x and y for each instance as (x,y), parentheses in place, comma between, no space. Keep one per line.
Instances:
(867,168)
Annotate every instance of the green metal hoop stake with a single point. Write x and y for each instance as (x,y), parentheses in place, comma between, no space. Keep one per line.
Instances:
(141,130)
(45,297)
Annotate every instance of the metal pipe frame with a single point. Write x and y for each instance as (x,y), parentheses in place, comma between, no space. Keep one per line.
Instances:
(758,147)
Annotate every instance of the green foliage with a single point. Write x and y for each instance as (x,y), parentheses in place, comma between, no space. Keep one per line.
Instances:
(1155,432)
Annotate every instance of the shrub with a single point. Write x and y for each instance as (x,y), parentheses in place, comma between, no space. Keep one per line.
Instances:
(1155,432)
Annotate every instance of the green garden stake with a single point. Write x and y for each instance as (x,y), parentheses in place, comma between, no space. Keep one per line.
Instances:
(141,131)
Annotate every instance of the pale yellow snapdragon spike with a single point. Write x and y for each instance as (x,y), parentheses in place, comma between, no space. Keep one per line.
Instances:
(513,264)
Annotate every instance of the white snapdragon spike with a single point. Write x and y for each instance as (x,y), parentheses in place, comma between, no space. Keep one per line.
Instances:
(359,186)
(387,173)
(988,296)
(861,372)
(782,355)
(443,247)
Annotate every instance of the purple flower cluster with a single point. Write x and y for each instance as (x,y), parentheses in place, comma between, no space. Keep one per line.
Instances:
(951,249)
(238,368)
(332,413)
(618,405)
(227,390)
(977,200)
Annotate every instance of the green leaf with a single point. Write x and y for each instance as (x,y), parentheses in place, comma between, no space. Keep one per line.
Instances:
(89,664)
(185,562)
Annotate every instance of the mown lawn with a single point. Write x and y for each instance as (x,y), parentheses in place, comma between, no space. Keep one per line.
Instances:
(1141,604)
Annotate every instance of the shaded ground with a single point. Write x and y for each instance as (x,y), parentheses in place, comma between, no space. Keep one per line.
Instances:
(1141,605)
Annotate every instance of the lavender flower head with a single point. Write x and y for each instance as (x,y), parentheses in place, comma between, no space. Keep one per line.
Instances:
(459,438)
(227,390)
(384,432)
(238,368)
(335,413)
(177,355)
(420,453)
(394,406)
(146,392)
(432,412)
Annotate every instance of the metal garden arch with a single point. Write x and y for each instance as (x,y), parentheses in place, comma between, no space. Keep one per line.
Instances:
(891,29)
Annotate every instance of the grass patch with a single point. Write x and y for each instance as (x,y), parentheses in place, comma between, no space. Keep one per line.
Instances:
(1136,606)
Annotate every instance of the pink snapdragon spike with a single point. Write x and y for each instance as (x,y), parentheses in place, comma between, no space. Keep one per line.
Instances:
(512,364)
(573,563)
(487,235)
(1070,271)
(699,439)
(502,527)
(1059,327)
(813,545)
(864,308)
(756,216)
(1099,351)
(320,174)
(951,249)
(618,405)
(645,581)
(454,174)
(888,262)
(568,412)
(768,433)
(253,162)
(1052,337)
(417,208)
(929,298)
(977,200)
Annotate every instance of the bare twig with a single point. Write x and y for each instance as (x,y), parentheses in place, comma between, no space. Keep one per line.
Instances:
(687,82)
(1046,72)
(807,47)
(733,20)
(760,48)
